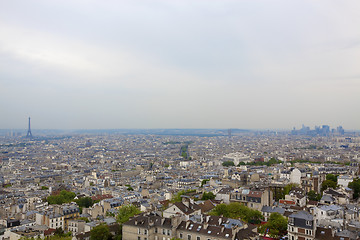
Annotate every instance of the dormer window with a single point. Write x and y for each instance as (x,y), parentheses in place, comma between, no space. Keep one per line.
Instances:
(291,221)
(308,223)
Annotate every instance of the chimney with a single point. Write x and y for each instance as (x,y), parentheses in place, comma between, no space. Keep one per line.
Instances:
(175,221)
(186,202)
(206,225)
(151,222)
(220,221)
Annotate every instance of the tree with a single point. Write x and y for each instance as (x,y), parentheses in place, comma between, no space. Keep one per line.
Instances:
(276,226)
(207,196)
(355,186)
(63,197)
(228,163)
(328,184)
(85,202)
(204,181)
(236,210)
(313,196)
(177,197)
(289,187)
(126,212)
(331,177)
(100,232)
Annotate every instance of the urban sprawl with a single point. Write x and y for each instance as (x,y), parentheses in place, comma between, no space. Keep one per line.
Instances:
(154,185)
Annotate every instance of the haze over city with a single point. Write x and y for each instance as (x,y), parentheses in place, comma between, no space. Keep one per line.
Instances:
(179,64)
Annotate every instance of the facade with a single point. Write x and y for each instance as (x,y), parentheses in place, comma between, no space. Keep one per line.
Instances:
(295,176)
(52,220)
(151,226)
(76,226)
(186,207)
(344,180)
(301,226)
(254,199)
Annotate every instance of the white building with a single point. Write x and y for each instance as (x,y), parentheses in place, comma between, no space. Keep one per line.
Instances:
(295,176)
(344,180)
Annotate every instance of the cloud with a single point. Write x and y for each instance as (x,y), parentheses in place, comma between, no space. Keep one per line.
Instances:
(119,64)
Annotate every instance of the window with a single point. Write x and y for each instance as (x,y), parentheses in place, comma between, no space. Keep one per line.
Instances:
(291,221)
(189,237)
(197,238)
(180,235)
(308,223)
(145,231)
(139,231)
(155,230)
(139,238)
(168,232)
(164,231)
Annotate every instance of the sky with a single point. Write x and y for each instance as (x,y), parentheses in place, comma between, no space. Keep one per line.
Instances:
(250,64)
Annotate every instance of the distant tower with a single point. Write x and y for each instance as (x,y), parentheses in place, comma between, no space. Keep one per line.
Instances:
(229,133)
(29,134)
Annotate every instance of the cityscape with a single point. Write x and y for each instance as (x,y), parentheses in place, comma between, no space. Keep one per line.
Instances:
(179,120)
(176,184)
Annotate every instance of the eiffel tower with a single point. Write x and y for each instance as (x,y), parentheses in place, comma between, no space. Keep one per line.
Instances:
(29,134)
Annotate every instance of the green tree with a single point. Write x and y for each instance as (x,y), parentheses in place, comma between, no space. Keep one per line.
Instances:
(207,196)
(126,212)
(236,210)
(85,202)
(177,197)
(355,186)
(289,187)
(100,232)
(228,163)
(276,226)
(63,197)
(204,181)
(328,184)
(313,196)
(331,177)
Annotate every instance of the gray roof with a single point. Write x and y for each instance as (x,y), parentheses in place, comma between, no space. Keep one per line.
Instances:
(303,215)
(270,209)
(327,198)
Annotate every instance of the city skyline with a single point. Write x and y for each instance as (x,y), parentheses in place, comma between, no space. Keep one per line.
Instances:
(179,64)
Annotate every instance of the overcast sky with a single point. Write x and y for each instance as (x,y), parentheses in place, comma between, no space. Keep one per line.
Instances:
(179,64)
